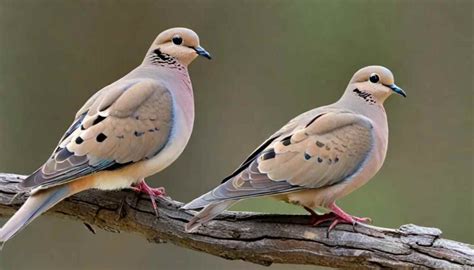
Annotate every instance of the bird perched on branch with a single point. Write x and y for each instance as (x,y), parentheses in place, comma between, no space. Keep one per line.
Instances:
(129,130)
(316,158)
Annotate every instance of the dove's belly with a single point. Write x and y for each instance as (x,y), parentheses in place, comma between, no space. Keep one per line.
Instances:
(180,134)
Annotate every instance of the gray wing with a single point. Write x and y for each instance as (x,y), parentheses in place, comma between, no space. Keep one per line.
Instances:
(120,125)
(319,151)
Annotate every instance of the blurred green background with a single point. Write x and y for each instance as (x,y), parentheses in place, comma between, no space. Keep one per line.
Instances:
(272,61)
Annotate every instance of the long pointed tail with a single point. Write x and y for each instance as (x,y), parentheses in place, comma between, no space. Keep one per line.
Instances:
(206,214)
(34,206)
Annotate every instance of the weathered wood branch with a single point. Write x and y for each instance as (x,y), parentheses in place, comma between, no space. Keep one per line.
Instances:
(258,238)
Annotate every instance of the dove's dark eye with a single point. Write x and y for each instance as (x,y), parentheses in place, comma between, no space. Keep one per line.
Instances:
(177,40)
(374,78)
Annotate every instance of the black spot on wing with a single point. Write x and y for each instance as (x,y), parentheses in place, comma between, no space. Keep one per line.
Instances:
(101,137)
(250,158)
(269,154)
(98,120)
(138,133)
(79,140)
(77,123)
(286,141)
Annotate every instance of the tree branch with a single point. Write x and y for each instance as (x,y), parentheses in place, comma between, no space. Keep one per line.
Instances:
(257,238)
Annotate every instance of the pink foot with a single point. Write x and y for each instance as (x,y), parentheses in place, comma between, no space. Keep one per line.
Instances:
(338,216)
(142,187)
(317,219)
(343,217)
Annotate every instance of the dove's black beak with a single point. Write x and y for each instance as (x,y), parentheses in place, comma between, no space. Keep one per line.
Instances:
(397,90)
(202,52)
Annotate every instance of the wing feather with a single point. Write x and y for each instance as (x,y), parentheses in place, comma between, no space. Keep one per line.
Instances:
(121,124)
(320,149)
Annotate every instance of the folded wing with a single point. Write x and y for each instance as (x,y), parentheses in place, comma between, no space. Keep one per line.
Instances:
(119,125)
(319,151)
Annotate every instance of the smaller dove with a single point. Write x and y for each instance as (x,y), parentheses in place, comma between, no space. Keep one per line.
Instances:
(127,131)
(317,158)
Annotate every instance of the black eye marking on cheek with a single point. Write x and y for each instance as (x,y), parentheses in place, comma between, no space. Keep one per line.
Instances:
(364,95)
(161,55)
(157,57)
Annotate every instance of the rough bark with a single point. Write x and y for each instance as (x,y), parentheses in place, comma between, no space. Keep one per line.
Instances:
(257,238)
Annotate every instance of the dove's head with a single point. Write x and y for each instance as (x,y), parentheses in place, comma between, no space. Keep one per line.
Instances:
(374,84)
(177,43)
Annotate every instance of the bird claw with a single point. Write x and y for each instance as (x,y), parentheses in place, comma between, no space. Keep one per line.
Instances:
(142,187)
(365,220)
(337,216)
(354,221)
(319,219)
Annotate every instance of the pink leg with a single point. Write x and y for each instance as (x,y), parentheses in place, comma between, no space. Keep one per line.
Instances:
(142,187)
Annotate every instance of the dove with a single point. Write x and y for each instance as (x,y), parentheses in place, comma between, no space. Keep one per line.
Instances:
(315,159)
(127,131)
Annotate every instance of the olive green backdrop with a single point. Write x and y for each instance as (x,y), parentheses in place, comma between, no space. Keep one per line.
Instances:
(272,61)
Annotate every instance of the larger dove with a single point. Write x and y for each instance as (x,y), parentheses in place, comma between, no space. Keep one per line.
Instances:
(129,130)
(318,157)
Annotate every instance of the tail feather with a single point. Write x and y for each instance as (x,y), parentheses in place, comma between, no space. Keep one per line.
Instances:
(206,214)
(199,202)
(34,206)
